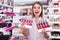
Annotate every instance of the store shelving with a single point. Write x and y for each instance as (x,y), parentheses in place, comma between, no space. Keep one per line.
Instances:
(1,29)
(55,30)
(55,22)
(5,5)
(55,37)
(53,14)
(2,15)
(54,8)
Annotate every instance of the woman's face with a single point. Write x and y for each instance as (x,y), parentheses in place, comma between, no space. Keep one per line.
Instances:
(37,9)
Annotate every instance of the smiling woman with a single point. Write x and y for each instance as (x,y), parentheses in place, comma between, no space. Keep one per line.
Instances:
(37,14)
(37,9)
(37,17)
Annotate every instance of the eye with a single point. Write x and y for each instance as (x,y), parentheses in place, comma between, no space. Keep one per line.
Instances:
(38,7)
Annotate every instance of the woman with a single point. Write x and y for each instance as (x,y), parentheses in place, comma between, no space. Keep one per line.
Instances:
(37,11)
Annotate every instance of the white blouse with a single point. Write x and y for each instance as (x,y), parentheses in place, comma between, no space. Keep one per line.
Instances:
(34,34)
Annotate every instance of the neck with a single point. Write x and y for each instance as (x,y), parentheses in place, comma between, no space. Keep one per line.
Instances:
(36,18)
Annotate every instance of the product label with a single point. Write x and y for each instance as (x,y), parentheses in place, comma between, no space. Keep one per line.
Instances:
(42,25)
(26,21)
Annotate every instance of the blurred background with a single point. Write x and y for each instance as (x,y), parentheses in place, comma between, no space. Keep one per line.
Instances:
(12,10)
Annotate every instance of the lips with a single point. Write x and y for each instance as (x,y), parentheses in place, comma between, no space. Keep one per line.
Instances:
(36,12)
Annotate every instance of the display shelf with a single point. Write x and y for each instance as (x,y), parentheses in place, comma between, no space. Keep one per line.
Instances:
(18,35)
(1,11)
(55,30)
(6,5)
(55,37)
(2,15)
(55,22)
(8,19)
(54,8)
(51,15)
(2,29)
(45,6)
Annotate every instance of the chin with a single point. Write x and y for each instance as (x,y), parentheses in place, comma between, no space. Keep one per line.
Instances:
(36,15)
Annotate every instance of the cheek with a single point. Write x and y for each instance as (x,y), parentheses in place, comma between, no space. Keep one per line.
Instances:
(34,10)
(40,10)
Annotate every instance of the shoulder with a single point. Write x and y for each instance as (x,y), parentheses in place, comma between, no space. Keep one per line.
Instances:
(45,19)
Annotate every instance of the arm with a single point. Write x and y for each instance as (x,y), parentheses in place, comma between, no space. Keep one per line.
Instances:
(46,32)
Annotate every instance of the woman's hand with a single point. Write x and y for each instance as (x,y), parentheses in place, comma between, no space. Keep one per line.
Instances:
(45,33)
(25,31)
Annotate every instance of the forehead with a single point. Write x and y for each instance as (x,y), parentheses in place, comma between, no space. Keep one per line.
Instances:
(37,5)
